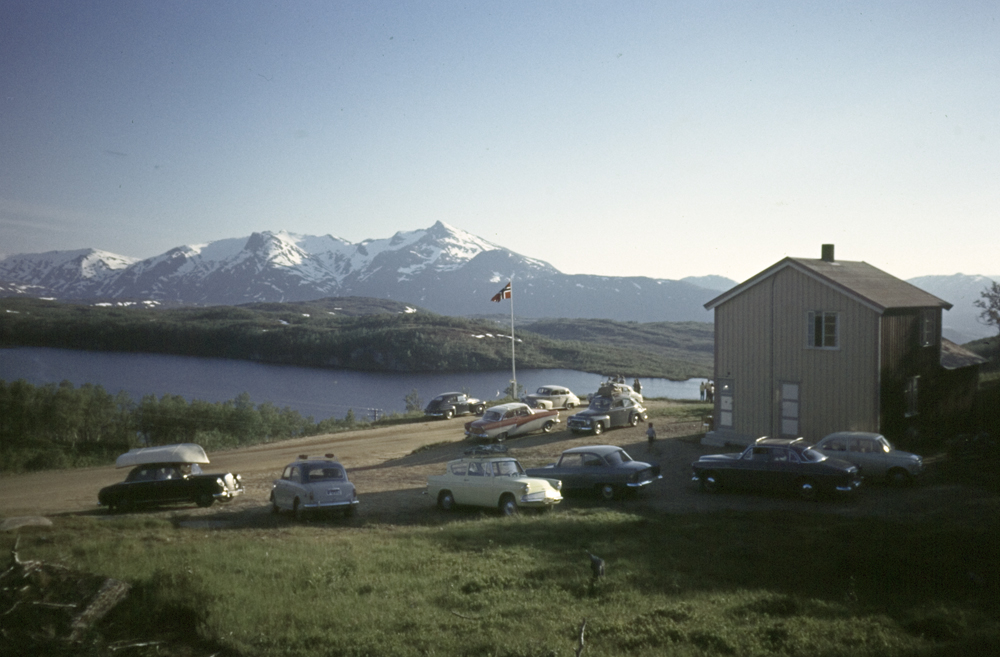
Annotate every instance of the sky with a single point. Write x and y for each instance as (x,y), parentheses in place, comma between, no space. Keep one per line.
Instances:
(662,139)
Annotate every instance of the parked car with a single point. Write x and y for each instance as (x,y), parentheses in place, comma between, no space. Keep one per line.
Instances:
(492,480)
(552,397)
(875,456)
(168,474)
(509,420)
(314,485)
(607,413)
(777,464)
(450,404)
(606,469)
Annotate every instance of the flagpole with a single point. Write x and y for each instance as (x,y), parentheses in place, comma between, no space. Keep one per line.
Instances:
(513,367)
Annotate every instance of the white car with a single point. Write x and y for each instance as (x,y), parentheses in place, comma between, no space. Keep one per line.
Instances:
(492,481)
(553,397)
(509,420)
(316,485)
(875,456)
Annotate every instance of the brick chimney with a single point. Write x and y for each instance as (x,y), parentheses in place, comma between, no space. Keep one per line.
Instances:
(827,253)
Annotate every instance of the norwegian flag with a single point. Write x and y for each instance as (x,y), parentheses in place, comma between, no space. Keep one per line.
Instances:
(502,294)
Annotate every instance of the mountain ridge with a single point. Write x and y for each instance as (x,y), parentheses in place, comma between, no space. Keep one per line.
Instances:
(441,268)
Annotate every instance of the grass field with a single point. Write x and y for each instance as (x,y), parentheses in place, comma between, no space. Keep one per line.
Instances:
(698,584)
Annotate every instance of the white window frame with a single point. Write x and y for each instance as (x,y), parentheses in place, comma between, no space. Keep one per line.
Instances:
(928,327)
(823,316)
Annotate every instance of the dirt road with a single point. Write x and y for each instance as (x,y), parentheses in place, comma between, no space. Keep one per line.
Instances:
(390,468)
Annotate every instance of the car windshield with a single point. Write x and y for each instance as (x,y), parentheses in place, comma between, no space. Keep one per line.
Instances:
(323,473)
(492,416)
(811,455)
(600,403)
(617,458)
(507,469)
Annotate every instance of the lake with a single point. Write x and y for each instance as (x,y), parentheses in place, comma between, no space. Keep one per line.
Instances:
(321,393)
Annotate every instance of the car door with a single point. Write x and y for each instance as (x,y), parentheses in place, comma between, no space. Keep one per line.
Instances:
(287,487)
(754,470)
(619,413)
(474,488)
(595,470)
(570,471)
(868,455)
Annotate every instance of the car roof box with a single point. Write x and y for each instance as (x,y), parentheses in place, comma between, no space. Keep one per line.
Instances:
(181,453)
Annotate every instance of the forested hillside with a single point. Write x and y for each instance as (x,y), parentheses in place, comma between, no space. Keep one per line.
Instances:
(382,337)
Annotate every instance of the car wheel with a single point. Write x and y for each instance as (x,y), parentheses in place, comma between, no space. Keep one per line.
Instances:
(899,477)
(806,488)
(446,501)
(548,427)
(450,413)
(480,409)
(709,482)
(570,405)
(608,492)
(296,511)
(204,500)
(598,429)
(633,420)
(274,505)
(501,437)
(508,505)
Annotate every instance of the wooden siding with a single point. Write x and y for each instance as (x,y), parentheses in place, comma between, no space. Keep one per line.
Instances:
(761,342)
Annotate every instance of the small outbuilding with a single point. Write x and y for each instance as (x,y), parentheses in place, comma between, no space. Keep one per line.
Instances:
(812,346)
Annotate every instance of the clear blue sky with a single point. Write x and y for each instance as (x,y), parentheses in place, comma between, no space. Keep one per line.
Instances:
(662,139)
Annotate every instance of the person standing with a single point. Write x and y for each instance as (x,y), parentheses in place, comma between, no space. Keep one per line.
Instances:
(651,436)
(703,387)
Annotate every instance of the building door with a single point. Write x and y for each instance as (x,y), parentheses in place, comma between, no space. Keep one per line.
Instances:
(789,410)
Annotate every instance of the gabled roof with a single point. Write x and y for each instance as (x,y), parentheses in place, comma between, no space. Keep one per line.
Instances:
(954,356)
(860,281)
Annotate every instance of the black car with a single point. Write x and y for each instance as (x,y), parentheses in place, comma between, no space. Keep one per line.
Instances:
(450,404)
(607,413)
(777,464)
(168,474)
(606,469)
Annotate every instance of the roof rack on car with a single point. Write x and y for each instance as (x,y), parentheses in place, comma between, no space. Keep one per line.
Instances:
(480,450)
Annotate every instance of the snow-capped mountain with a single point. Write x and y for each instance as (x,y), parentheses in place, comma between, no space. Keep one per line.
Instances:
(442,268)
(961,324)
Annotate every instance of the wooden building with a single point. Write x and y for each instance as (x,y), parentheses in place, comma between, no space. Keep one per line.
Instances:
(811,346)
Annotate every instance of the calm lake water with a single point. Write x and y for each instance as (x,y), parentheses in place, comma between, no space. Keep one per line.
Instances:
(321,393)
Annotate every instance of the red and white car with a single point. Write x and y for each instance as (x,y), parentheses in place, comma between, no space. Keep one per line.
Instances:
(508,420)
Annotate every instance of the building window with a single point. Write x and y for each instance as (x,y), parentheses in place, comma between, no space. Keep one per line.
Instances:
(821,330)
(928,328)
(910,396)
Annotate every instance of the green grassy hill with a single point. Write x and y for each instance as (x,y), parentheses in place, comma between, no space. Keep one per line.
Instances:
(361,334)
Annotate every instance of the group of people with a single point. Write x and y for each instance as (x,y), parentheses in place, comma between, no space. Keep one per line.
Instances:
(707,390)
(620,378)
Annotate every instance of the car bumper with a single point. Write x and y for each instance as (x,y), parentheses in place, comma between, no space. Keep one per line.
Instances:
(480,435)
(849,487)
(227,495)
(644,482)
(540,499)
(329,505)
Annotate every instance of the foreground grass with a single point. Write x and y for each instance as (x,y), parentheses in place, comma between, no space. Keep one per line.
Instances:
(717,584)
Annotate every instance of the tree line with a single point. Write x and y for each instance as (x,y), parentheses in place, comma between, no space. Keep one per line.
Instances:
(58,426)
